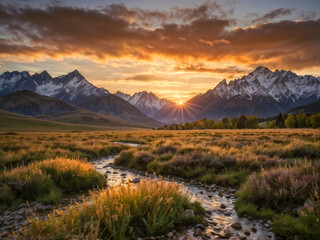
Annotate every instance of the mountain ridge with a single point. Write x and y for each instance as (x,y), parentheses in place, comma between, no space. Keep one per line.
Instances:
(68,88)
(32,104)
(261,92)
(146,102)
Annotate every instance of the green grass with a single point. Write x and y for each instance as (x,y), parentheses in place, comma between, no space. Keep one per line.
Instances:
(42,181)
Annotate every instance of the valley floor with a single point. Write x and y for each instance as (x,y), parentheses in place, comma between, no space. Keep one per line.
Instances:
(275,174)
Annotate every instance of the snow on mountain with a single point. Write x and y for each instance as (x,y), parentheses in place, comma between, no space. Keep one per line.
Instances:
(124,96)
(262,92)
(281,86)
(148,103)
(69,87)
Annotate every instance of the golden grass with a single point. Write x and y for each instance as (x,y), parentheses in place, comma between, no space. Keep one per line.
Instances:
(150,207)
(39,180)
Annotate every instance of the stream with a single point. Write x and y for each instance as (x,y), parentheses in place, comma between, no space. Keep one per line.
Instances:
(217,201)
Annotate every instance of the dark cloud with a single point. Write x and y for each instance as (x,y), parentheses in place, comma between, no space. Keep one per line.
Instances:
(116,32)
(307,15)
(273,14)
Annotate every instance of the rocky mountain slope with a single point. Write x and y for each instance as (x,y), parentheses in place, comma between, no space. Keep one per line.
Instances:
(68,88)
(148,103)
(261,92)
(115,106)
(32,104)
(310,108)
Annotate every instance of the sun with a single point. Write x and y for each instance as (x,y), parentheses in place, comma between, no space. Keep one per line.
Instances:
(180,103)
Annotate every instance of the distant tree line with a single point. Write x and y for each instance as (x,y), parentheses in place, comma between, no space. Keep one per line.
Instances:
(300,120)
(226,123)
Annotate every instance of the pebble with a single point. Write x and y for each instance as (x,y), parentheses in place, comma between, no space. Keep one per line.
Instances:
(233,238)
(188,213)
(135,180)
(223,206)
(205,222)
(197,232)
(247,232)
(236,226)
(202,227)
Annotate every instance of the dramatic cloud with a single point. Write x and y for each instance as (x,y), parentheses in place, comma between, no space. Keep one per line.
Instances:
(203,33)
(274,14)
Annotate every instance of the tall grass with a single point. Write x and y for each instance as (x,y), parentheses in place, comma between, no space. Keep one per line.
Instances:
(149,208)
(42,180)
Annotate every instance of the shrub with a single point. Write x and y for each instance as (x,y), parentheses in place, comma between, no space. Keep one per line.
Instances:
(124,158)
(165,149)
(280,188)
(142,159)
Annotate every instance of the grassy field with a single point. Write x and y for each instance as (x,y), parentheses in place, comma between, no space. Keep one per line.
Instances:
(276,171)
(77,121)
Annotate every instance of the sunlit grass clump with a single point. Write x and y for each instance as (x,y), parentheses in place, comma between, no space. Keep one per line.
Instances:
(149,208)
(43,180)
(278,194)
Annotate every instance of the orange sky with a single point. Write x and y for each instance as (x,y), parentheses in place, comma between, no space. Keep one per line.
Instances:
(176,52)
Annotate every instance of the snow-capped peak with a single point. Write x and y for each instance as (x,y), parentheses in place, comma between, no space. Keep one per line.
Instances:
(281,86)
(67,87)
(146,102)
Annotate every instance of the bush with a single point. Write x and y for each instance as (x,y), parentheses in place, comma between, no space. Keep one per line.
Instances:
(165,149)
(280,188)
(142,159)
(124,158)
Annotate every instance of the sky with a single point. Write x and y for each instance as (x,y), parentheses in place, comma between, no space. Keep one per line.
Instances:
(174,48)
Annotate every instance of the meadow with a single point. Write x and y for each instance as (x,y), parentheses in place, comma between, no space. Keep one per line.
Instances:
(276,172)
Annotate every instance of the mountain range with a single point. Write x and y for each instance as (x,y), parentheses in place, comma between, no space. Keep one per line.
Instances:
(261,92)
(148,103)
(37,106)
(71,88)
